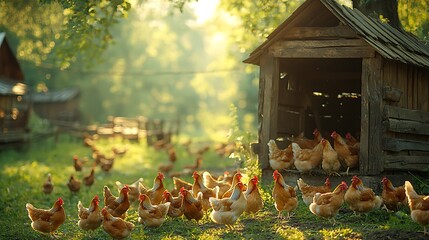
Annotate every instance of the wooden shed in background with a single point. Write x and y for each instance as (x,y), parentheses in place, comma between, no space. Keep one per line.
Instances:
(330,67)
(59,106)
(14,103)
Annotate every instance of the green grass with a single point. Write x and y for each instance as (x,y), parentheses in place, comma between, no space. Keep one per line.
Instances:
(22,175)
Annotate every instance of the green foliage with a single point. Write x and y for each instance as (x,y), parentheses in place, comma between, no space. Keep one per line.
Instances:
(414,16)
(343,233)
(31,28)
(86,29)
(421,182)
(243,152)
(180,4)
(60,32)
(257,19)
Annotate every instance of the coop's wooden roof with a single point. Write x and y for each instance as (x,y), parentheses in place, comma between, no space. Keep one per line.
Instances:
(9,87)
(390,42)
(56,96)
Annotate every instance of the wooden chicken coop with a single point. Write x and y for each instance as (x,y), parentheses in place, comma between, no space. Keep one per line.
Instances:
(14,103)
(330,67)
(58,106)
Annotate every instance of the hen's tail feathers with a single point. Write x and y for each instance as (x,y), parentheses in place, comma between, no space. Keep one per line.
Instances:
(378,202)
(143,188)
(136,183)
(410,192)
(107,195)
(107,192)
(295,149)
(29,206)
(272,146)
(216,191)
(301,183)
(214,203)
(119,185)
(179,183)
(80,206)
(200,196)
(30,209)
(209,181)
(316,197)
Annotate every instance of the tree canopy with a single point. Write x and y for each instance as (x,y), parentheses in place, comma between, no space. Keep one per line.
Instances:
(61,32)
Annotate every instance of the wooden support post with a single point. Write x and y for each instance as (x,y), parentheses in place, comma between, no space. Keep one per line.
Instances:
(269,95)
(371,115)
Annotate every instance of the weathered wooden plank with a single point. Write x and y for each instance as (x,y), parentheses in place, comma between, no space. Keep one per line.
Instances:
(364,137)
(320,32)
(413,78)
(270,73)
(371,115)
(405,114)
(420,90)
(403,83)
(405,126)
(397,145)
(409,82)
(403,163)
(418,153)
(405,159)
(328,52)
(425,93)
(323,43)
(260,111)
(391,94)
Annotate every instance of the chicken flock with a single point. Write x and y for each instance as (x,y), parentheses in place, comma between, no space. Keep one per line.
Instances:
(306,155)
(223,199)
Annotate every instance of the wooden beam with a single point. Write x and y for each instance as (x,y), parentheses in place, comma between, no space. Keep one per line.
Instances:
(410,163)
(320,32)
(325,52)
(371,108)
(319,43)
(406,126)
(397,145)
(270,76)
(260,112)
(406,114)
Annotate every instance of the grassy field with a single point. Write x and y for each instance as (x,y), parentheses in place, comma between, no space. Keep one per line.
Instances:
(22,175)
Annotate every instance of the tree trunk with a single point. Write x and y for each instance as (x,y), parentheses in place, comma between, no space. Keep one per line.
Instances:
(374,8)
